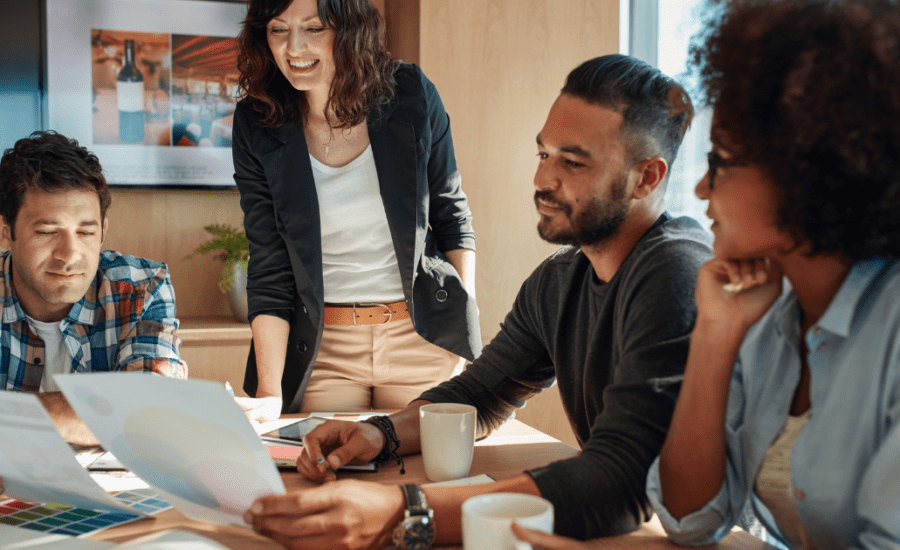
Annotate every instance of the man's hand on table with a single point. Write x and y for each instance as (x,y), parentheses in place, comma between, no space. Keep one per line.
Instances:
(262,409)
(339,443)
(343,514)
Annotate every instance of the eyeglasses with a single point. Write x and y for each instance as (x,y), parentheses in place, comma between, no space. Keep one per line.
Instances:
(716,161)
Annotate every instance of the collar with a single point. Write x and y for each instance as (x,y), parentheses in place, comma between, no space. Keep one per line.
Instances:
(381,113)
(839,316)
(290,130)
(12,311)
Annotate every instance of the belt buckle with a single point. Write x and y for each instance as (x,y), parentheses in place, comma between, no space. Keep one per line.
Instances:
(387,312)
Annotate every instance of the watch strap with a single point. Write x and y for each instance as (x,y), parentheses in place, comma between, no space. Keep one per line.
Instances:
(416,504)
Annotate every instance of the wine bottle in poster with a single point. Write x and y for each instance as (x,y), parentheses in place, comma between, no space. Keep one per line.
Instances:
(130,95)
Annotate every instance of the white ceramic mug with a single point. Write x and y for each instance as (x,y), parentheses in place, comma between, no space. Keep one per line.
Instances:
(487,520)
(447,432)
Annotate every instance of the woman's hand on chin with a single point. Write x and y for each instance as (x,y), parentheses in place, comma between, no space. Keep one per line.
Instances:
(737,292)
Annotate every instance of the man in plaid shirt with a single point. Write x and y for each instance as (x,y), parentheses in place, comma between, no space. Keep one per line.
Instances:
(67,306)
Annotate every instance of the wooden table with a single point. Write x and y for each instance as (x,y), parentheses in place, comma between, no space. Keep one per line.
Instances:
(510,450)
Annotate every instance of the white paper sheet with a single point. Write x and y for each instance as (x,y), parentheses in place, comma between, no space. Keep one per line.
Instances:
(113,482)
(37,464)
(188,439)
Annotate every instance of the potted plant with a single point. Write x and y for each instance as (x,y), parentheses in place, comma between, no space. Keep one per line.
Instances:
(234,253)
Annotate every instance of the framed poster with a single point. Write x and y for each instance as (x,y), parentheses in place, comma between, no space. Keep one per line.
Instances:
(148,85)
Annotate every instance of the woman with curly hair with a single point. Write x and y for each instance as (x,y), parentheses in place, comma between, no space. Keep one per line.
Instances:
(791,394)
(360,283)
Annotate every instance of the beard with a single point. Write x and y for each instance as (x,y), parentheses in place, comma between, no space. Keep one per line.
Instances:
(597,223)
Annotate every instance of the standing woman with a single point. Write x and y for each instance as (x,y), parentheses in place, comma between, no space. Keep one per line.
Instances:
(361,275)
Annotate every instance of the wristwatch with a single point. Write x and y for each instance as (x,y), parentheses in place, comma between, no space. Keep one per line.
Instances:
(416,530)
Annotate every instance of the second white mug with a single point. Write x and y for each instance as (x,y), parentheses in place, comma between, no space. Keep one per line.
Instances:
(487,520)
(447,432)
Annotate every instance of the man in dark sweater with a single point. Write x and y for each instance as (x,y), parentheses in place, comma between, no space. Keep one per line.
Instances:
(607,317)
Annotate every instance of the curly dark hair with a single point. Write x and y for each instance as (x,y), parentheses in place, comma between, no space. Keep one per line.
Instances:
(48,161)
(656,110)
(364,71)
(809,92)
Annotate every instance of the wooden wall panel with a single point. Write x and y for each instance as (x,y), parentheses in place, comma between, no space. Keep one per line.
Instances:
(218,363)
(402,23)
(498,66)
(167,225)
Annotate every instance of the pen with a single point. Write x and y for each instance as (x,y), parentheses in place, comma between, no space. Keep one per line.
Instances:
(321,461)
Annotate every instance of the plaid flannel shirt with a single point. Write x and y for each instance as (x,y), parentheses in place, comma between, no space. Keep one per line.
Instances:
(125,322)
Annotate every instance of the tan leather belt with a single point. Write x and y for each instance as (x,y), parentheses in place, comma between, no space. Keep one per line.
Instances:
(365,314)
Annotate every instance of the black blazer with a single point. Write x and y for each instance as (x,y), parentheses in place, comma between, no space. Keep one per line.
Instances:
(426,209)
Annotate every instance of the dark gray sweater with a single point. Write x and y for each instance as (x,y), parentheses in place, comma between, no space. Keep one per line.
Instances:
(617,351)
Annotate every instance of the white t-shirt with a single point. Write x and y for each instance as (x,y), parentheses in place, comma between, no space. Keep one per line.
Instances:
(359,264)
(56,355)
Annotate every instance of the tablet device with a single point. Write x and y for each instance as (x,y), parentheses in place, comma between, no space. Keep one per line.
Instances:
(292,434)
(284,444)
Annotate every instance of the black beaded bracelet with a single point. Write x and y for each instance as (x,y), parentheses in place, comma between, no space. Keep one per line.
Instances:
(391,441)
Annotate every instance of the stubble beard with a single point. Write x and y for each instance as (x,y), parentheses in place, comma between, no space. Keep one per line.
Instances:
(593,226)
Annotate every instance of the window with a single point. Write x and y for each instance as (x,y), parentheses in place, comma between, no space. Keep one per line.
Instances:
(659,32)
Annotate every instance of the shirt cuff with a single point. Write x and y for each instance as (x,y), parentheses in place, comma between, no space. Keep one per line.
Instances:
(284,314)
(707,525)
(453,243)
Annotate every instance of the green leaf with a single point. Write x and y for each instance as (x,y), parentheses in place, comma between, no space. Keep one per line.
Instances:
(233,247)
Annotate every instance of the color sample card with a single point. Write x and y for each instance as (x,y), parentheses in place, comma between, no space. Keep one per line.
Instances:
(66,520)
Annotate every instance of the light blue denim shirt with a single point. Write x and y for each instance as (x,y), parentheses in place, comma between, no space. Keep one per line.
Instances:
(845,465)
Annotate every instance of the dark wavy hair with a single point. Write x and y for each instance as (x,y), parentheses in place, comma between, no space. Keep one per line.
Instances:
(364,71)
(809,92)
(51,162)
(656,110)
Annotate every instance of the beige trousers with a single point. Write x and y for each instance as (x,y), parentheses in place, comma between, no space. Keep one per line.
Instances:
(375,367)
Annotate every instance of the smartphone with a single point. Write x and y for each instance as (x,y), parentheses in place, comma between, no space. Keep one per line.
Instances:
(292,434)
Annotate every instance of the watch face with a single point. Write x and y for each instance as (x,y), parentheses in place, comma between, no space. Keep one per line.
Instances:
(418,533)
